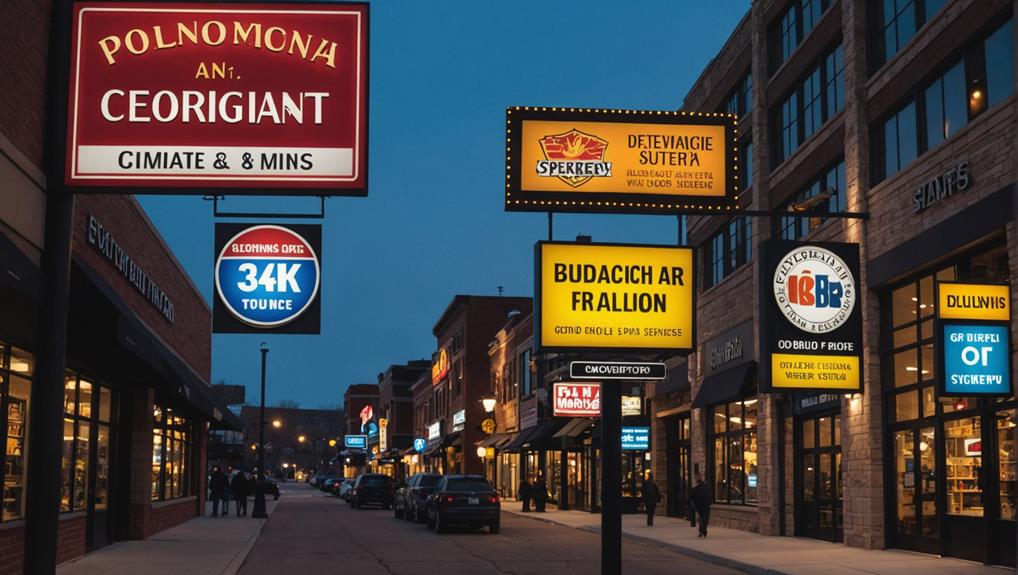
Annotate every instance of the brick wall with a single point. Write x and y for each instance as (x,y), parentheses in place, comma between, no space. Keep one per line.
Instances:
(171,515)
(23,68)
(12,549)
(191,333)
(71,538)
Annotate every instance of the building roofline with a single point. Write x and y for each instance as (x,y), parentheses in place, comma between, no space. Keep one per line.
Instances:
(709,68)
(464,298)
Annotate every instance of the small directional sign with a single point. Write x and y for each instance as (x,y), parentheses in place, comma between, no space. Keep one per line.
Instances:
(617,370)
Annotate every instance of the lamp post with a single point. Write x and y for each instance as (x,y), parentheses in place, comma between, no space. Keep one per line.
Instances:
(259,504)
(488,402)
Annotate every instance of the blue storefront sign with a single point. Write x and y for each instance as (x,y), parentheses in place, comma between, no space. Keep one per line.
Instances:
(266,278)
(976,359)
(420,444)
(356,441)
(635,438)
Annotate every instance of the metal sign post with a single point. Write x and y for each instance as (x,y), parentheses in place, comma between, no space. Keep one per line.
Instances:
(611,479)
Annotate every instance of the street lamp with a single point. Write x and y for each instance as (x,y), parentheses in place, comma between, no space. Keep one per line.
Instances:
(276,423)
(259,503)
(301,438)
(488,402)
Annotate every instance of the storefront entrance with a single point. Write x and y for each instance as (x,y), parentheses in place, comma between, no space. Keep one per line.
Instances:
(680,467)
(818,477)
(951,482)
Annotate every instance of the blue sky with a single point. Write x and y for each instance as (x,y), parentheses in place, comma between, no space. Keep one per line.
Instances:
(432,226)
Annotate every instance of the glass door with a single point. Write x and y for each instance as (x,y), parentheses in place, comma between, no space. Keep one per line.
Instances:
(679,468)
(819,496)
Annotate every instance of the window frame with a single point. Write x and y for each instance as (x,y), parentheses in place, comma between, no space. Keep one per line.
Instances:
(172,434)
(837,167)
(777,39)
(727,437)
(732,257)
(793,103)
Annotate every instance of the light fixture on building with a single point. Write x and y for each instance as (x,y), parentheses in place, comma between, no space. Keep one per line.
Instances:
(301,438)
(413,460)
(488,402)
(482,452)
(276,423)
(332,443)
(286,466)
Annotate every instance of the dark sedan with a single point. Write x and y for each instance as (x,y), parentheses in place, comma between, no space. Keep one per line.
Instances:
(371,488)
(410,501)
(467,500)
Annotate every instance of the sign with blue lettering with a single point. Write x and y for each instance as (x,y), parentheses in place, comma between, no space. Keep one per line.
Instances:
(976,359)
(267,279)
(635,438)
(420,444)
(355,441)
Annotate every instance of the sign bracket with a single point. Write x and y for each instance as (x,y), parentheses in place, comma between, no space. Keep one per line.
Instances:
(265,215)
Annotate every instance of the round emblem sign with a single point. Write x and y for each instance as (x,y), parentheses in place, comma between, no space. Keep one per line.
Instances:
(267,276)
(814,289)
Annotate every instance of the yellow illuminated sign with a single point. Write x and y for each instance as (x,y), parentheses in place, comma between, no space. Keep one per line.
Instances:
(639,158)
(615,296)
(814,371)
(988,302)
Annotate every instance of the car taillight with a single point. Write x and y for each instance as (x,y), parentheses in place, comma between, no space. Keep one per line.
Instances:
(493,499)
(450,499)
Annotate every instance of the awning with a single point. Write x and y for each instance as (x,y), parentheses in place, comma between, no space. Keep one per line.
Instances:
(518,441)
(492,440)
(726,385)
(543,433)
(575,428)
(451,440)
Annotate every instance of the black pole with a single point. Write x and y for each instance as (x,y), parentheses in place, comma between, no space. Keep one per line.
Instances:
(611,479)
(259,504)
(46,435)
(551,218)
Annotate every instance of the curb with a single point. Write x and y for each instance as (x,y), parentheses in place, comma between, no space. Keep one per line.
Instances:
(694,553)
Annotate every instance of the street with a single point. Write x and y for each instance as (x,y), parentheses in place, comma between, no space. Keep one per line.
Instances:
(311,532)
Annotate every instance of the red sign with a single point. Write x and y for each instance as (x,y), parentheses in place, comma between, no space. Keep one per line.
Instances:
(187,95)
(577,399)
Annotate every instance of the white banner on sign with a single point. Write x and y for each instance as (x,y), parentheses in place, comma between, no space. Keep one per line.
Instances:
(192,161)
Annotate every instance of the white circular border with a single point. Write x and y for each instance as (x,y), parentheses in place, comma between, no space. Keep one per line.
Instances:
(774,283)
(251,322)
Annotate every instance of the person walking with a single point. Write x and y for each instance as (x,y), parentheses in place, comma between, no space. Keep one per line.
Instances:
(218,484)
(525,494)
(651,496)
(239,487)
(227,493)
(540,493)
(701,500)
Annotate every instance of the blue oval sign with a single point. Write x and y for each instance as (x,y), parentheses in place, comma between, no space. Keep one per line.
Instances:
(267,275)
(420,445)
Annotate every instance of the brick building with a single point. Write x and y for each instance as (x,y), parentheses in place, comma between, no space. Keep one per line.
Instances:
(396,414)
(136,395)
(876,107)
(459,378)
(303,439)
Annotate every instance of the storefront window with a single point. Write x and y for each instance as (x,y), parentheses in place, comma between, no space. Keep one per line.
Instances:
(1008,449)
(964,466)
(16,367)
(172,444)
(85,404)
(733,450)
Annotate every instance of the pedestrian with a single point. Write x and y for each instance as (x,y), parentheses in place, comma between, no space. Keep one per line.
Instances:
(218,484)
(540,493)
(700,498)
(651,496)
(239,487)
(525,492)
(227,494)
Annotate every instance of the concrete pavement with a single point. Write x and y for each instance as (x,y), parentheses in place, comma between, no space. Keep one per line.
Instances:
(762,555)
(201,546)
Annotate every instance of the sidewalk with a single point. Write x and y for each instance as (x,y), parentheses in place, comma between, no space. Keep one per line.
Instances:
(203,545)
(762,555)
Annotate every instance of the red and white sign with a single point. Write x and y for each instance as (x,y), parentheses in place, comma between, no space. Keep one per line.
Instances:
(189,95)
(577,399)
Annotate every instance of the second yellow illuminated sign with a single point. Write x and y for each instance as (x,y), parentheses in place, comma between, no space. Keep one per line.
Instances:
(614,297)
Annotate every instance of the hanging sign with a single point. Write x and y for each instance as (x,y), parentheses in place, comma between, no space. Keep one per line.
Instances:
(355,441)
(619,161)
(576,399)
(440,367)
(613,297)
(383,434)
(187,96)
(624,370)
(459,420)
(635,438)
(811,325)
(488,426)
(267,279)
(973,339)
(420,444)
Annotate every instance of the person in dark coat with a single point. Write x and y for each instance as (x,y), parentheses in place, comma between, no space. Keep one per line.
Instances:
(240,487)
(218,485)
(540,493)
(525,493)
(701,500)
(651,496)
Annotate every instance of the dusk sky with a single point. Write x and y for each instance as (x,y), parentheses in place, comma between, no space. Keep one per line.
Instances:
(433,225)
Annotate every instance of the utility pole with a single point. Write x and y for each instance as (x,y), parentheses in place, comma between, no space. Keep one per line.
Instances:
(259,504)
(611,478)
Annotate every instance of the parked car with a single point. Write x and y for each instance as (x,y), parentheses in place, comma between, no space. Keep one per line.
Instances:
(326,484)
(371,488)
(271,487)
(343,488)
(467,500)
(410,501)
